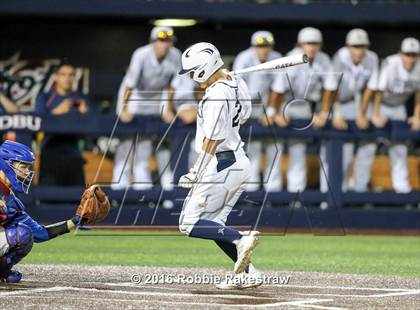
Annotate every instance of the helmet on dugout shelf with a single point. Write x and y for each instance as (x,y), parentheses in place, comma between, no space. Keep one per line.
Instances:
(12,154)
(201,60)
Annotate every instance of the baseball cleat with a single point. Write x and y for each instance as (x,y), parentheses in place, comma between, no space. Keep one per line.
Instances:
(245,247)
(244,280)
(231,282)
(12,277)
(253,278)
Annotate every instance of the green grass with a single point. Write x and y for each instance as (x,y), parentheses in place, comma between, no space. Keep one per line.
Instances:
(385,255)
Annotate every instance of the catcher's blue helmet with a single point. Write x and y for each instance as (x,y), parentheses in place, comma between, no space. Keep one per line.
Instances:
(11,155)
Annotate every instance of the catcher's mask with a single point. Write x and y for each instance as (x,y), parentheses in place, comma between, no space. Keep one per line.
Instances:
(16,162)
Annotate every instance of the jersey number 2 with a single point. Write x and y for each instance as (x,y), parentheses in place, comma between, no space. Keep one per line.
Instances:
(235,120)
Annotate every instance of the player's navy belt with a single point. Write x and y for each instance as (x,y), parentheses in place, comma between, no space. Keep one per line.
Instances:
(225,159)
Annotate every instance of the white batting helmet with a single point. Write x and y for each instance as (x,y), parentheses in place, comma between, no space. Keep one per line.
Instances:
(202,59)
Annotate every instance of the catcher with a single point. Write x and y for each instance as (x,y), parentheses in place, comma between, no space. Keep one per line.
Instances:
(18,230)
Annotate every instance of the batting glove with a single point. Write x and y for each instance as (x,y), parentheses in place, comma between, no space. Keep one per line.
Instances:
(196,172)
(188,180)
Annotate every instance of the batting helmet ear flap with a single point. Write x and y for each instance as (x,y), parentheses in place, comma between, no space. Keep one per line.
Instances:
(200,75)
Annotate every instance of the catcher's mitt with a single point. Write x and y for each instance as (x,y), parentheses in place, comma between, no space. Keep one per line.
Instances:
(94,205)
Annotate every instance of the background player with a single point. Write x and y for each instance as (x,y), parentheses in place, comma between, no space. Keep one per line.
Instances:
(18,230)
(260,86)
(359,68)
(218,176)
(312,83)
(148,78)
(399,79)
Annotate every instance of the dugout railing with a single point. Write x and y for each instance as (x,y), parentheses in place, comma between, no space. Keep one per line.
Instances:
(258,204)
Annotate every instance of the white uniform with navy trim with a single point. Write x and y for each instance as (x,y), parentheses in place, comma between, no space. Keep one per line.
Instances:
(220,115)
(397,85)
(260,85)
(354,80)
(184,99)
(303,82)
(183,93)
(149,80)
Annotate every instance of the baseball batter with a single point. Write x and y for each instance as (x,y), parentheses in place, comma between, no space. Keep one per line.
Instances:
(359,68)
(301,87)
(144,92)
(399,79)
(218,176)
(260,86)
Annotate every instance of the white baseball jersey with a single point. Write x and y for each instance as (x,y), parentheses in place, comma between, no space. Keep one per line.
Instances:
(355,77)
(397,83)
(307,80)
(225,106)
(259,83)
(149,78)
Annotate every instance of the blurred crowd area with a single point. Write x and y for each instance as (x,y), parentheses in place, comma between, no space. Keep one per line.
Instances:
(351,85)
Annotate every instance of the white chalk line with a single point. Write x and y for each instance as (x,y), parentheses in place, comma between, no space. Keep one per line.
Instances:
(414,292)
(130,284)
(102,299)
(36,290)
(142,293)
(346,288)
(297,303)
(70,288)
(301,303)
(307,303)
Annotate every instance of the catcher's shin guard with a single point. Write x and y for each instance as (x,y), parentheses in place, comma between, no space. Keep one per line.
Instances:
(20,240)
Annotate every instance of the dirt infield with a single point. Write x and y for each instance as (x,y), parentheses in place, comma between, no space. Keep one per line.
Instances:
(76,287)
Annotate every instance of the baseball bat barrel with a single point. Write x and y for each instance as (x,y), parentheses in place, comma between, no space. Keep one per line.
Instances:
(279,63)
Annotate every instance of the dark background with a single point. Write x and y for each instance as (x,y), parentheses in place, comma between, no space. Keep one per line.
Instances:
(105,44)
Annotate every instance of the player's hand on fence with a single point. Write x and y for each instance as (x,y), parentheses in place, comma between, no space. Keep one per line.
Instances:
(320,119)
(188,180)
(362,122)
(378,121)
(339,123)
(63,108)
(168,116)
(126,116)
(281,120)
(414,122)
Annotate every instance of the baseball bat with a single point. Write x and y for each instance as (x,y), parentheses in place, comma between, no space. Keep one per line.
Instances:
(279,63)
